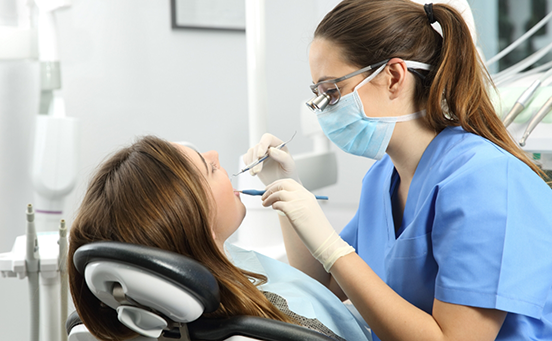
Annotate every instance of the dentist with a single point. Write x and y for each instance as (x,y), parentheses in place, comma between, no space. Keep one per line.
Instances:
(451,240)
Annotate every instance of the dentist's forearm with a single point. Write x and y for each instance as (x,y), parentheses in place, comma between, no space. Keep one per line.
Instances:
(299,256)
(391,317)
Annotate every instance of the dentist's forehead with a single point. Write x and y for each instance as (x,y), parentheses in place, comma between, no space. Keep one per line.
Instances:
(326,62)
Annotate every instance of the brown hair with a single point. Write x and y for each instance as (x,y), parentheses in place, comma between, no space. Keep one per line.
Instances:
(151,194)
(455,92)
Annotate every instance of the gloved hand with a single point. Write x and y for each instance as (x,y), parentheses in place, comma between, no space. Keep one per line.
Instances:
(308,220)
(279,165)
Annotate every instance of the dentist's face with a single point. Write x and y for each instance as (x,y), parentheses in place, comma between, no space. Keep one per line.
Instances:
(326,62)
(230,211)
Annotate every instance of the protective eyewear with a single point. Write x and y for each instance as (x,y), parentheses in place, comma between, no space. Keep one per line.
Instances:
(327,92)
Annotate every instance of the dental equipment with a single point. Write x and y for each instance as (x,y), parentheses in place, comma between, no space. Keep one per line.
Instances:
(41,269)
(258,192)
(52,176)
(520,40)
(504,75)
(518,76)
(62,264)
(543,111)
(54,165)
(524,99)
(32,266)
(264,157)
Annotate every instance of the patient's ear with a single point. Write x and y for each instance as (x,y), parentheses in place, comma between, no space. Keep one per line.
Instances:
(218,243)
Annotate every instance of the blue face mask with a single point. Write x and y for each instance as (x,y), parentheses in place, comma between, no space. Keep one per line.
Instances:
(346,124)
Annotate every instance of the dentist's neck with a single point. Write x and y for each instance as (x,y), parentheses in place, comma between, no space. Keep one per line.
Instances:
(408,143)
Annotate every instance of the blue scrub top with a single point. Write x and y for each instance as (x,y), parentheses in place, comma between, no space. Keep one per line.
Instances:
(476,231)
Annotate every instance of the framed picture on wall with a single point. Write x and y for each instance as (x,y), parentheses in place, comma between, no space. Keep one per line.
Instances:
(208,14)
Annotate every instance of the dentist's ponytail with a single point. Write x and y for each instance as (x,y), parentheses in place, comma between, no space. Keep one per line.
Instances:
(459,92)
(455,92)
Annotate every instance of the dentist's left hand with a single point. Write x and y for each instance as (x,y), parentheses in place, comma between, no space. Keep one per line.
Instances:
(307,218)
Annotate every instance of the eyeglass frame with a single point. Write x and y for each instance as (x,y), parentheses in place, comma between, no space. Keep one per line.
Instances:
(313,87)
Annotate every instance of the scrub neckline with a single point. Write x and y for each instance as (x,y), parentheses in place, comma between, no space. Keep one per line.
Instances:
(394,180)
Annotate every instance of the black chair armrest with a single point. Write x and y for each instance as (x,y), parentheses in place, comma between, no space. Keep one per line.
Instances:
(72,321)
(221,329)
(251,326)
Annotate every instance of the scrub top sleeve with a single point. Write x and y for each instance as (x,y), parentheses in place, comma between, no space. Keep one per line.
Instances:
(491,238)
(350,232)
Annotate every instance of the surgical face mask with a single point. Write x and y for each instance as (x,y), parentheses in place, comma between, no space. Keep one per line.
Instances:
(346,124)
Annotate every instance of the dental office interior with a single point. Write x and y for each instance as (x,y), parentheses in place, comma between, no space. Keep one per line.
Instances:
(81,78)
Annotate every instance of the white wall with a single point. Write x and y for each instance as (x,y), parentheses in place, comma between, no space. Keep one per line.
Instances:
(126,73)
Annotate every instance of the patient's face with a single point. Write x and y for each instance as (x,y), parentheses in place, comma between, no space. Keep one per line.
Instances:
(230,209)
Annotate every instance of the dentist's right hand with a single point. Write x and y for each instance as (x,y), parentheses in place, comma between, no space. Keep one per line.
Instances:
(279,165)
(307,218)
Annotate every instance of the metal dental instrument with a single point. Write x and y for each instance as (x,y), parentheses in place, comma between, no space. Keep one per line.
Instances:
(257,192)
(32,264)
(520,104)
(543,111)
(264,157)
(524,99)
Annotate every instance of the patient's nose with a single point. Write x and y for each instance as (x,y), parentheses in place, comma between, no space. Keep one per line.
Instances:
(212,156)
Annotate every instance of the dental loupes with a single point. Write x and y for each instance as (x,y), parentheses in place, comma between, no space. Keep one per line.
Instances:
(264,157)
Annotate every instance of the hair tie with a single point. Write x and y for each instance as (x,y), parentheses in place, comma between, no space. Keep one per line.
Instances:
(429,12)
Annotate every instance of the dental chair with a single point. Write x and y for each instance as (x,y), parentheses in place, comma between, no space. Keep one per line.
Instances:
(162,295)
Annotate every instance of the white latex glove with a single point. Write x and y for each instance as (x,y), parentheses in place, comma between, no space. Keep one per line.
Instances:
(308,220)
(279,165)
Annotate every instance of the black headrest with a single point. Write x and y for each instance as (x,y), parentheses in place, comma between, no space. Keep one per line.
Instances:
(183,271)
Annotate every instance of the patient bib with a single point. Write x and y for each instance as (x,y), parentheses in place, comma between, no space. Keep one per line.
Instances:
(304,295)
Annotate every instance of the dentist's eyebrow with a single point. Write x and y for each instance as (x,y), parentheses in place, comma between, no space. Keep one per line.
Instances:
(205,163)
(324,78)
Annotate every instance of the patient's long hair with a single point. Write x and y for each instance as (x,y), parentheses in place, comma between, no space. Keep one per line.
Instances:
(151,194)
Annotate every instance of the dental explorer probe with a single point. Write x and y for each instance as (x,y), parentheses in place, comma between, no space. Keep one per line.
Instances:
(525,97)
(264,157)
(257,192)
(543,111)
(31,263)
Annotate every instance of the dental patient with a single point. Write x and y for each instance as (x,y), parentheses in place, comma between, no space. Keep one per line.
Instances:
(165,195)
